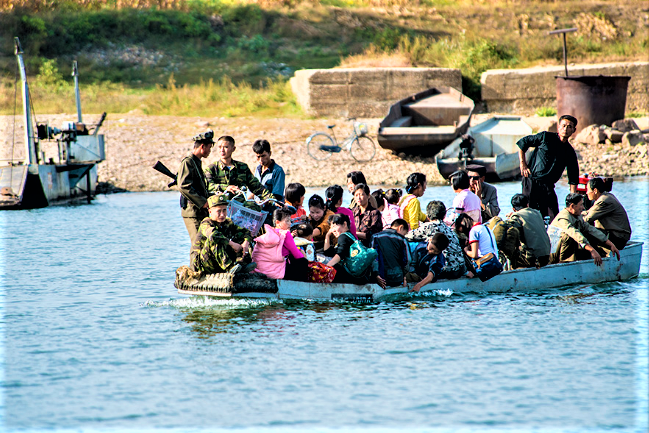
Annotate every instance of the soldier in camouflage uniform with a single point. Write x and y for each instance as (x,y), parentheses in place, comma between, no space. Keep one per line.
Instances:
(227,175)
(219,242)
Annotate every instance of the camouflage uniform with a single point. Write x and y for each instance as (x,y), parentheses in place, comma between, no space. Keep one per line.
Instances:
(219,178)
(211,252)
(193,186)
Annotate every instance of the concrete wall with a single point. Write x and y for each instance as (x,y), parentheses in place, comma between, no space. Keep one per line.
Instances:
(365,92)
(522,91)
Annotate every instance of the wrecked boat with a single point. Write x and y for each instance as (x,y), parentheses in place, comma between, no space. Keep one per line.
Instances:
(426,122)
(70,174)
(517,280)
(494,147)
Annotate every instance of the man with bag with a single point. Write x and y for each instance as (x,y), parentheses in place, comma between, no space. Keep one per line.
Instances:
(192,184)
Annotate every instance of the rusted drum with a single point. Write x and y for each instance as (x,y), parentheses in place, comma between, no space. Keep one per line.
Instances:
(592,99)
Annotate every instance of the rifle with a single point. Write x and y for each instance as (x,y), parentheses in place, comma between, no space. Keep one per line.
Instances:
(161,168)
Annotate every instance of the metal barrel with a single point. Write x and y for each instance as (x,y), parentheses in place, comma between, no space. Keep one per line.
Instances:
(592,99)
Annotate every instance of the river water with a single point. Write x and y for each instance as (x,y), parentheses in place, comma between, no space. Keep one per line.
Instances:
(96,338)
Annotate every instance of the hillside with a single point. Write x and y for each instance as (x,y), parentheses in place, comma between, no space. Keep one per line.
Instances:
(233,58)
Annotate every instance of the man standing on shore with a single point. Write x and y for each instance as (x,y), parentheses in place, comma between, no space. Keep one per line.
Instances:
(270,174)
(552,155)
(227,175)
(192,184)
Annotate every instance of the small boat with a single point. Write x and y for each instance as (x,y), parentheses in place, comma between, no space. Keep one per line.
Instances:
(41,179)
(517,280)
(426,122)
(494,148)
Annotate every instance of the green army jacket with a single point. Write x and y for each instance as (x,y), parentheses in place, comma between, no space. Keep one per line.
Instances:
(219,178)
(211,251)
(607,213)
(535,242)
(193,186)
(577,228)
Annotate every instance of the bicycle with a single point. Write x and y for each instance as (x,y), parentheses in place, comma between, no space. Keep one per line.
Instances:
(321,145)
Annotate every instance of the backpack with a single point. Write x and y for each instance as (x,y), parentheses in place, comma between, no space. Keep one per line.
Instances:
(507,237)
(360,258)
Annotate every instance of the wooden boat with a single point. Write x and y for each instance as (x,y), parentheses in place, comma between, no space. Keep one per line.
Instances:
(494,148)
(426,122)
(69,174)
(518,280)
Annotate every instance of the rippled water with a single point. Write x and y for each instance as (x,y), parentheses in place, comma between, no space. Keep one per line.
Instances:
(97,338)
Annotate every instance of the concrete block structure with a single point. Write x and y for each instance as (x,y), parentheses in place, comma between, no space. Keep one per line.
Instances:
(522,91)
(365,92)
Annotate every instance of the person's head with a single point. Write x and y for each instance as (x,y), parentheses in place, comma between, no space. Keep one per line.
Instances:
(575,203)
(304,230)
(379,196)
(566,127)
(416,184)
(294,193)
(362,194)
(438,243)
(476,173)
(334,197)
(520,201)
(393,195)
(282,218)
(225,147)
(262,150)
(436,210)
(595,188)
(354,178)
(316,207)
(218,207)
(401,226)
(203,143)
(463,223)
(460,180)
(339,222)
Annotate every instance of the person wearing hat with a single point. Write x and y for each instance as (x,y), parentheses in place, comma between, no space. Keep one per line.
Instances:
(487,193)
(192,184)
(220,245)
(551,156)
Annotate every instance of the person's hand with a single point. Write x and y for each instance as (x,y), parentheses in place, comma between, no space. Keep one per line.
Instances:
(205,205)
(596,257)
(525,171)
(509,214)
(246,247)
(236,247)
(416,288)
(615,251)
(381,282)
(405,282)
(232,189)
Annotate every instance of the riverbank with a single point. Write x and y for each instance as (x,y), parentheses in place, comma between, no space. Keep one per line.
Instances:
(134,143)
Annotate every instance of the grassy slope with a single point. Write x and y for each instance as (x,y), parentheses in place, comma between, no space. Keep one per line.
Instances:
(212,57)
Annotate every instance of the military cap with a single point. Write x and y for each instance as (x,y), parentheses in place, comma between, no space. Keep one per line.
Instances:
(480,169)
(205,137)
(217,200)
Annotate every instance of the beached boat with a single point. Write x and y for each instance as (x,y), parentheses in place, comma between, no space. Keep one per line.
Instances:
(494,148)
(426,122)
(518,280)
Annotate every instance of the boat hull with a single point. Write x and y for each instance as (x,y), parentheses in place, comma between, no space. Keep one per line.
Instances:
(518,280)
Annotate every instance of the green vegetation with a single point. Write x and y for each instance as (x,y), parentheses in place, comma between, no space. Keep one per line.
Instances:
(635,114)
(232,57)
(546,112)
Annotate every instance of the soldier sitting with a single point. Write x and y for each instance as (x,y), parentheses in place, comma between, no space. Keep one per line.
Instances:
(579,240)
(535,243)
(228,176)
(220,245)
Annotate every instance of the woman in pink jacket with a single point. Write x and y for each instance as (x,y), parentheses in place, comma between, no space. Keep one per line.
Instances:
(275,252)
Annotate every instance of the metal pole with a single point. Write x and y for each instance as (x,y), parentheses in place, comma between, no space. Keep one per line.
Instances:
(75,74)
(30,147)
(565,45)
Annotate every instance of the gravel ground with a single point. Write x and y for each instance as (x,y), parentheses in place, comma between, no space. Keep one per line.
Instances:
(134,142)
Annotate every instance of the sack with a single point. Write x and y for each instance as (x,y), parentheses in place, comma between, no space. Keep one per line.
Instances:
(487,267)
(507,237)
(360,258)
(320,273)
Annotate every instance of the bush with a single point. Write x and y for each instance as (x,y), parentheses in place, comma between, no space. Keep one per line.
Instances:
(546,111)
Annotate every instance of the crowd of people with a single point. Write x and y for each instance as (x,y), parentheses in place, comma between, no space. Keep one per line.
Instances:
(385,236)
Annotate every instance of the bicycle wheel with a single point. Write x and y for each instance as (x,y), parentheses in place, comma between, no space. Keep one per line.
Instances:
(363,149)
(314,145)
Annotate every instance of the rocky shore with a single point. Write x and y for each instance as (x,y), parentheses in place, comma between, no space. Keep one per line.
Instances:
(134,142)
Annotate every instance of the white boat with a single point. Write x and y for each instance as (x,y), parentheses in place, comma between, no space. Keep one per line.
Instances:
(518,280)
(494,148)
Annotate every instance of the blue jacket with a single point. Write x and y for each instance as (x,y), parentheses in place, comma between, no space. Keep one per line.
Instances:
(273,179)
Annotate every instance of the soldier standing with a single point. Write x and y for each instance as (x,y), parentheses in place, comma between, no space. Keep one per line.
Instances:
(228,176)
(220,245)
(192,184)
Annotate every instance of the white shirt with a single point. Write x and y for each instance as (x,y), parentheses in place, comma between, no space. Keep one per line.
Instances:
(485,238)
